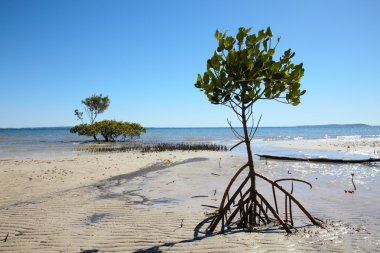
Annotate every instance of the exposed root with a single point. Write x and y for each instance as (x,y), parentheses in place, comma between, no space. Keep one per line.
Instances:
(248,209)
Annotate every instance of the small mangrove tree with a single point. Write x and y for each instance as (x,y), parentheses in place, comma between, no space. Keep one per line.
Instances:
(241,72)
(110,130)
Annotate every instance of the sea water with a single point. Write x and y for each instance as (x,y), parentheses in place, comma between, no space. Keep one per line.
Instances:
(32,142)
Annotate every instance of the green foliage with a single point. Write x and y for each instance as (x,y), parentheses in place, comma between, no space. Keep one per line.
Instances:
(84,129)
(111,130)
(94,105)
(134,130)
(242,70)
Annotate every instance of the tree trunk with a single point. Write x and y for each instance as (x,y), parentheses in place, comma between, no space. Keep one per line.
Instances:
(252,214)
(248,146)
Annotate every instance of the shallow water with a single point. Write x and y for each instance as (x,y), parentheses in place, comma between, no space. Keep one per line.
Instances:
(39,142)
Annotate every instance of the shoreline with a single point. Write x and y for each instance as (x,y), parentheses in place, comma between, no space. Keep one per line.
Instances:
(18,143)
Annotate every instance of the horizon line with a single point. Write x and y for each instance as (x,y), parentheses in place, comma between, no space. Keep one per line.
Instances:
(330,124)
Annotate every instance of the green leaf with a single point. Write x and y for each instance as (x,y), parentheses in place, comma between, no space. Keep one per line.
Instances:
(205,78)
(199,78)
(261,35)
(221,45)
(287,52)
(217,34)
(240,37)
(271,52)
(269,32)
(215,61)
(265,44)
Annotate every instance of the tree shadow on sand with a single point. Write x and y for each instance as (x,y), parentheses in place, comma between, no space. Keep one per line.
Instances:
(198,236)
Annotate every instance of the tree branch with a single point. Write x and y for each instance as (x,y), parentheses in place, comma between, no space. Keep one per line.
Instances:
(237,135)
(236,145)
(288,103)
(257,126)
(233,108)
(249,113)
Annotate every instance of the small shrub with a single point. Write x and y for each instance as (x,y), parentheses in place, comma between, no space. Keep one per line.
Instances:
(110,130)
(85,129)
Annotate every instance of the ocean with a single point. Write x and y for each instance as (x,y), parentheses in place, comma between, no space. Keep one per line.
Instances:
(37,142)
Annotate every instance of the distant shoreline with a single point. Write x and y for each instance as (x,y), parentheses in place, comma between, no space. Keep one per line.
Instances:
(209,127)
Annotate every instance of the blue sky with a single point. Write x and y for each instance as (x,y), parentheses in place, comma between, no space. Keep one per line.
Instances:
(145,56)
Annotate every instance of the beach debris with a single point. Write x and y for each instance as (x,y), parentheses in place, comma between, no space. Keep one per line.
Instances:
(6,237)
(220,159)
(215,207)
(199,196)
(166,161)
(214,174)
(170,182)
(322,160)
(180,226)
(352,180)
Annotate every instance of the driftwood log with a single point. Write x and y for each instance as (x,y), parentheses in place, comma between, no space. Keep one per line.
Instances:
(321,160)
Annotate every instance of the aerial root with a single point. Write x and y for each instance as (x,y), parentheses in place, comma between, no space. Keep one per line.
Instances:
(249,209)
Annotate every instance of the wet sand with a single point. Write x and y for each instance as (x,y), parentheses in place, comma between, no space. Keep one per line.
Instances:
(129,202)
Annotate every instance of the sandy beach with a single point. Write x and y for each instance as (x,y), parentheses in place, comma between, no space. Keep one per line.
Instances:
(134,202)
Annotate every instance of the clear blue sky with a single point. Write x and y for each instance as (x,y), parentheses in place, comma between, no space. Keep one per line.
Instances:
(145,55)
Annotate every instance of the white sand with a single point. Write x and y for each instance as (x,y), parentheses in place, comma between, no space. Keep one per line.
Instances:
(101,202)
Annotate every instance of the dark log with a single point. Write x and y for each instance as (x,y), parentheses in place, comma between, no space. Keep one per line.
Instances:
(210,206)
(320,160)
